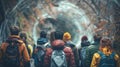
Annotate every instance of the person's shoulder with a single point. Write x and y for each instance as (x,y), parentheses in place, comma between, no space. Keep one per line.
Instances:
(91,46)
(96,55)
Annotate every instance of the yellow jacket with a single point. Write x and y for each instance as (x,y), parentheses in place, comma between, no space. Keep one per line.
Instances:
(22,49)
(96,57)
(31,50)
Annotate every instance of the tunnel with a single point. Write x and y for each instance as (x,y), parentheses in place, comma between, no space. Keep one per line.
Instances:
(79,17)
(64,15)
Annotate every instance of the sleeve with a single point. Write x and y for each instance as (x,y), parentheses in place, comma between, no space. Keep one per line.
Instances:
(118,60)
(31,49)
(95,60)
(25,54)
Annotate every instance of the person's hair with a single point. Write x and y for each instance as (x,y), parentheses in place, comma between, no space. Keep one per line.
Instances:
(58,35)
(43,34)
(23,35)
(14,30)
(97,38)
(105,42)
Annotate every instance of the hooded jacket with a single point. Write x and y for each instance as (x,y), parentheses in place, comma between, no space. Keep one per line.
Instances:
(22,49)
(59,44)
(107,52)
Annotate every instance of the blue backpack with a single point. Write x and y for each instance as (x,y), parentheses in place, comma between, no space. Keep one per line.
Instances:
(107,61)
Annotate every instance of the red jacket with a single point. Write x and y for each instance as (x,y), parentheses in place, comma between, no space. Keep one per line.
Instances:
(59,44)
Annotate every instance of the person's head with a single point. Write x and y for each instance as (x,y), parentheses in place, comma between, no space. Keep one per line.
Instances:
(105,42)
(97,38)
(84,41)
(66,36)
(14,30)
(43,34)
(58,35)
(23,36)
(84,38)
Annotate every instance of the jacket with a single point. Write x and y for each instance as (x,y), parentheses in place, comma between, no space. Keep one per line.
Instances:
(96,57)
(22,50)
(59,44)
(89,53)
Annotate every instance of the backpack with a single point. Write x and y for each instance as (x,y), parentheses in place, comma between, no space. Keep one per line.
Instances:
(58,59)
(11,56)
(39,56)
(107,61)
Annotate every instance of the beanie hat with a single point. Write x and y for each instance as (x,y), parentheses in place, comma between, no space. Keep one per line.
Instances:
(66,36)
(84,38)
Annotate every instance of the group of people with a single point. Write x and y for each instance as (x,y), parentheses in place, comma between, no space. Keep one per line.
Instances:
(58,51)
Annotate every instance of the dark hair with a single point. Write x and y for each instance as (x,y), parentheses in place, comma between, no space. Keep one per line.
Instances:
(43,34)
(58,35)
(14,30)
(23,34)
(105,42)
(97,38)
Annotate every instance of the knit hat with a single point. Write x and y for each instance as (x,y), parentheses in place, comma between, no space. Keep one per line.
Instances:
(66,36)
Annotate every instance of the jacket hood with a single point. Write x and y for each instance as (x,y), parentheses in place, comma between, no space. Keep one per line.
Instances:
(58,44)
(66,36)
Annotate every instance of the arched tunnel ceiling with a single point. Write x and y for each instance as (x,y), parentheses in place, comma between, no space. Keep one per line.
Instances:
(79,17)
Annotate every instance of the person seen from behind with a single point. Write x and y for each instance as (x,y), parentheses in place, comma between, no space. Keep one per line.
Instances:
(106,56)
(15,53)
(82,52)
(39,51)
(58,55)
(23,36)
(92,49)
(69,43)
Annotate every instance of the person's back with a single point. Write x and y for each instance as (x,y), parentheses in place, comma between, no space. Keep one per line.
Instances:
(14,46)
(58,45)
(23,36)
(39,51)
(69,43)
(105,57)
(91,50)
(82,52)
